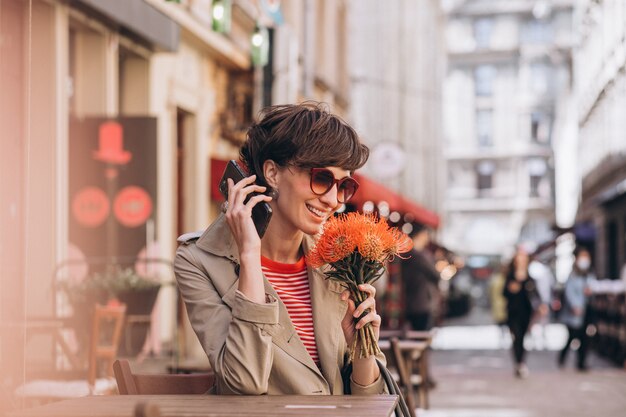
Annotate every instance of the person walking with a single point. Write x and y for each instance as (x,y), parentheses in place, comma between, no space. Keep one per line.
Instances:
(498,304)
(523,300)
(574,311)
(420,281)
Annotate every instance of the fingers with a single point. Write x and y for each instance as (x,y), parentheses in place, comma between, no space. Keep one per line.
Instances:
(368,304)
(257,199)
(237,193)
(369,289)
(370,317)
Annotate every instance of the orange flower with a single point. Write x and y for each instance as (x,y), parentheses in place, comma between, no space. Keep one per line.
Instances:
(374,242)
(371,236)
(401,242)
(337,241)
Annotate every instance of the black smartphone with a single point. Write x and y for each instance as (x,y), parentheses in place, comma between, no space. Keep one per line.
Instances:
(262,212)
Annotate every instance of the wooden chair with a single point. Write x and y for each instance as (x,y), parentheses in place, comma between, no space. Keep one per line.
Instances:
(404,375)
(129,383)
(108,322)
(105,337)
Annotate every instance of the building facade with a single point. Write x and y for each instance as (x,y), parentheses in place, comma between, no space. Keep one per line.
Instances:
(507,80)
(396,66)
(99,96)
(600,67)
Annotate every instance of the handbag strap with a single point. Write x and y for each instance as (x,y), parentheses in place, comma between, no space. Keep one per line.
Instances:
(401,410)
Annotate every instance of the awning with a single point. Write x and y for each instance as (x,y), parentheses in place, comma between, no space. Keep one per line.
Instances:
(368,191)
(140,18)
(217,169)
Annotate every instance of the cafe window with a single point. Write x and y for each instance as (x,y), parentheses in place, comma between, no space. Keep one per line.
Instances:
(237,117)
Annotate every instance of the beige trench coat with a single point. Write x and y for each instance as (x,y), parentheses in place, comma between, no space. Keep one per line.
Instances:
(254,348)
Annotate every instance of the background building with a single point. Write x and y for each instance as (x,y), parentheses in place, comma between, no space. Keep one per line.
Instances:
(600,67)
(509,69)
(396,65)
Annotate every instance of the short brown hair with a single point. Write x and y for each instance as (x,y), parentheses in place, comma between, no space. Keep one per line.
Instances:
(305,135)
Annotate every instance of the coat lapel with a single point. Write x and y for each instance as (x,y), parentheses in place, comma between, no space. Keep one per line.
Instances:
(219,241)
(328,311)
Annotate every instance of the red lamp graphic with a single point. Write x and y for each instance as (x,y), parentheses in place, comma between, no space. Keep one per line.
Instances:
(111,141)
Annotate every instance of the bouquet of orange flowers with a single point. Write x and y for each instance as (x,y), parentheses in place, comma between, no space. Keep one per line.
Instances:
(356,246)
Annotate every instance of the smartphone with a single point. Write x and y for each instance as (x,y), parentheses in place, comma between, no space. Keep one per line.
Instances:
(262,212)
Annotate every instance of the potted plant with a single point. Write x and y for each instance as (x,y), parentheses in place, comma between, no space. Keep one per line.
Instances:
(114,283)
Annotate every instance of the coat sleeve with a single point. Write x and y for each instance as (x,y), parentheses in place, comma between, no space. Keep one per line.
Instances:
(574,294)
(236,341)
(375,388)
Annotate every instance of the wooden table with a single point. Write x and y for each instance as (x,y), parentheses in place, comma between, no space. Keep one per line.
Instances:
(220,405)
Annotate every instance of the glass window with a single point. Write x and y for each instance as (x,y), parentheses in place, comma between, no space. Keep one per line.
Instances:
(484,177)
(484,77)
(537,32)
(537,168)
(482,32)
(484,127)
(539,127)
(539,77)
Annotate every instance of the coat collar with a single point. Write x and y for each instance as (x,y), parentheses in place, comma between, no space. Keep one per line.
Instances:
(328,309)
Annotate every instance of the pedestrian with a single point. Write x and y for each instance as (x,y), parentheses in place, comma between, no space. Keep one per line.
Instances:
(498,304)
(523,300)
(268,323)
(420,280)
(574,311)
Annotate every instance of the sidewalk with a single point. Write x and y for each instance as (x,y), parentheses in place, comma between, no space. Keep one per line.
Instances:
(473,369)
(481,384)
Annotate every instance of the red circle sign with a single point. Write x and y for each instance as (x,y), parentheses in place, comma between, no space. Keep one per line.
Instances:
(90,207)
(132,206)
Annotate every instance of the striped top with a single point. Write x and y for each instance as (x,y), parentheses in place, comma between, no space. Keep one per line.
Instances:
(291,282)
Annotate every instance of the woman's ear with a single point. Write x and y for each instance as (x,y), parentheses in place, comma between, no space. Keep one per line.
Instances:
(271,173)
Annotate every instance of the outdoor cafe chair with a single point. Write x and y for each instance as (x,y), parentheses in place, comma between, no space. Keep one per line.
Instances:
(129,383)
(106,330)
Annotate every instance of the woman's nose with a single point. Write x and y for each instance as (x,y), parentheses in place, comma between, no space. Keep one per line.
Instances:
(330,198)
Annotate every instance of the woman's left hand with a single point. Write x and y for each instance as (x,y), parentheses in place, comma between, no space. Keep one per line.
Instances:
(348,324)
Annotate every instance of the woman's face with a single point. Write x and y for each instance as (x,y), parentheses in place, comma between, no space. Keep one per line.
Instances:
(521,259)
(297,206)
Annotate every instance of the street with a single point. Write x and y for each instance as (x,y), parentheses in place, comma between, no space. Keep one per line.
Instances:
(480,383)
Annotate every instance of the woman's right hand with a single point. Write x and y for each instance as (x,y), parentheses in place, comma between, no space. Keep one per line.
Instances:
(239,215)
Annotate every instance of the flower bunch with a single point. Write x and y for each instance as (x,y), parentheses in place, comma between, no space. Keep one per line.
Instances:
(356,246)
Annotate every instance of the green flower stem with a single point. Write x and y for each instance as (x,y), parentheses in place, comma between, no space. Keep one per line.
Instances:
(364,335)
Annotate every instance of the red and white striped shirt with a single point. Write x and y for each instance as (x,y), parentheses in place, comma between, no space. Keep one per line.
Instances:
(291,282)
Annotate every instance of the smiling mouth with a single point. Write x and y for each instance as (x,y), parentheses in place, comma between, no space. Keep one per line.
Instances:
(315,211)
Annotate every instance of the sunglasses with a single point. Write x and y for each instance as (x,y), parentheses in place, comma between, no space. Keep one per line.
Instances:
(323,179)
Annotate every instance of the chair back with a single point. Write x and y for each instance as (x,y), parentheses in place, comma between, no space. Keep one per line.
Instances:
(108,322)
(404,375)
(129,383)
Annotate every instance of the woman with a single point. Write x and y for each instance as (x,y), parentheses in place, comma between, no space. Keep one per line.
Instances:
(576,296)
(268,323)
(523,299)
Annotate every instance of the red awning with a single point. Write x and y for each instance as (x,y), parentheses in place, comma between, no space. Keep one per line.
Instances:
(217,170)
(372,191)
(368,191)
